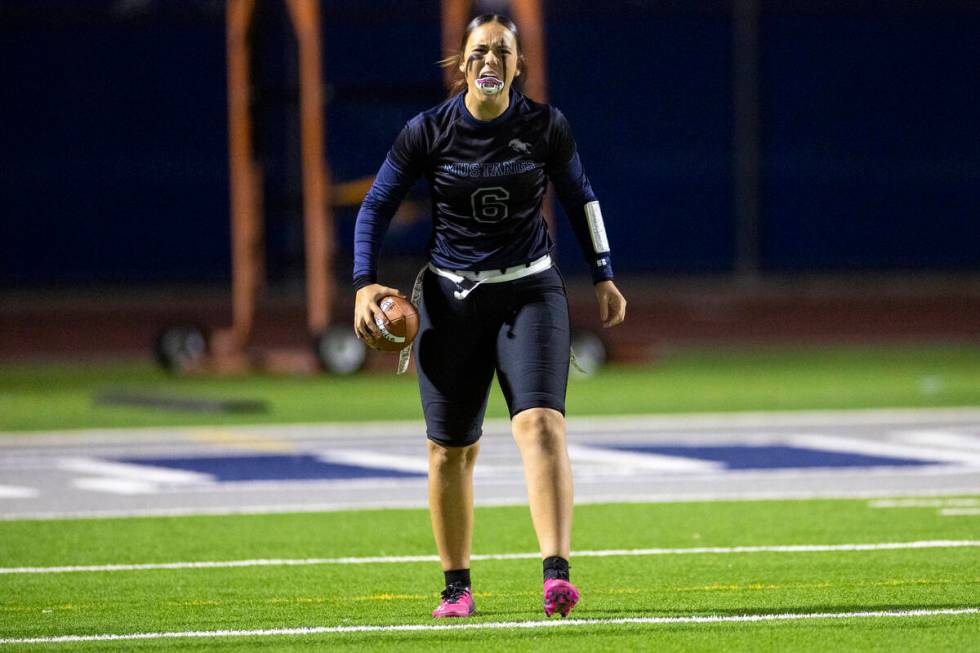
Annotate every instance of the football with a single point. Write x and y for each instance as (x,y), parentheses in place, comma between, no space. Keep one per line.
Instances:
(400,328)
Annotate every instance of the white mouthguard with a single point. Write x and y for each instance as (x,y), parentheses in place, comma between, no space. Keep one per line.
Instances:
(490,85)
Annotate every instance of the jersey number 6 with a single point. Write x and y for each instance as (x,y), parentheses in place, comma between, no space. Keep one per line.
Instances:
(489,204)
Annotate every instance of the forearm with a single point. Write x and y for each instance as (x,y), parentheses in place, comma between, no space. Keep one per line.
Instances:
(580,204)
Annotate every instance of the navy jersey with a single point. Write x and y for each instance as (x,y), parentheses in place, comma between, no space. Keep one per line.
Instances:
(487,181)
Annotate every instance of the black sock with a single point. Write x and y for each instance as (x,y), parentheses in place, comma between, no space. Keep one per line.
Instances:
(458,577)
(555,567)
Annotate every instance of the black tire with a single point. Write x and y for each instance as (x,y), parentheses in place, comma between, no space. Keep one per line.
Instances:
(339,351)
(181,346)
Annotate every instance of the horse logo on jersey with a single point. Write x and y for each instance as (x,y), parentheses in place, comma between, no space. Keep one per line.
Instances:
(518,146)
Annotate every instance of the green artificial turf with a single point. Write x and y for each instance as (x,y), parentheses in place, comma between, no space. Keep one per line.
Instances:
(953,634)
(505,590)
(62,397)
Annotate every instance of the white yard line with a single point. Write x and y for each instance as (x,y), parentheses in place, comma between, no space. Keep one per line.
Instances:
(925,503)
(17,492)
(959,512)
(500,625)
(681,497)
(607,553)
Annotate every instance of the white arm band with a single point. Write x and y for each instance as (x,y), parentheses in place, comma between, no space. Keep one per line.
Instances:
(596,228)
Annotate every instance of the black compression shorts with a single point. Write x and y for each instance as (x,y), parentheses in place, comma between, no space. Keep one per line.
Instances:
(518,328)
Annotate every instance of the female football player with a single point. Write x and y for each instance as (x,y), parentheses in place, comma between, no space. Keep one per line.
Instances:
(492,299)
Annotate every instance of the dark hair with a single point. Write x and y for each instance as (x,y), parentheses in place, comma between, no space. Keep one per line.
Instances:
(453,60)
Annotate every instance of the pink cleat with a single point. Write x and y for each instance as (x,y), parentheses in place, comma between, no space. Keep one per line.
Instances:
(456,602)
(559,596)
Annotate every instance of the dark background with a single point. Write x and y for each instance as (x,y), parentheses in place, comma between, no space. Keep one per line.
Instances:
(113,158)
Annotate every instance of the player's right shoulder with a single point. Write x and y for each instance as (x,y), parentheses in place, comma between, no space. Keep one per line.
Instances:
(428,127)
(416,123)
(439,116)
(421,132)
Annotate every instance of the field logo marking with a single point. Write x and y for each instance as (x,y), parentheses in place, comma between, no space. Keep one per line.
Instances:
(18,492)
(861,446)
(500,625)
(940,438)
(299,562)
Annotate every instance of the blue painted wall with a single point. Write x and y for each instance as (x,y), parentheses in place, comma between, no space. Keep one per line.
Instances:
(113,153)
(872,142)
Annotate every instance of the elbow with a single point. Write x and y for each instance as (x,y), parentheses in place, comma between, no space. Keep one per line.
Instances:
(378,202)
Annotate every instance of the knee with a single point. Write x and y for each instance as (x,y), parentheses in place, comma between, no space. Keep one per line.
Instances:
(542,428)
(452,457)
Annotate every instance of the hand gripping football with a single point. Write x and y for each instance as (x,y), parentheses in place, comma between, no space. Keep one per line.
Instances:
(400,328)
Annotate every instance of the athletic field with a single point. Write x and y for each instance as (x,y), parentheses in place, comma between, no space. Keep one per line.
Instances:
(801,500)
(52,397)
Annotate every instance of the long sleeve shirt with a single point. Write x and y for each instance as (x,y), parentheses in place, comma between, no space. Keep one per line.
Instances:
(487,181)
